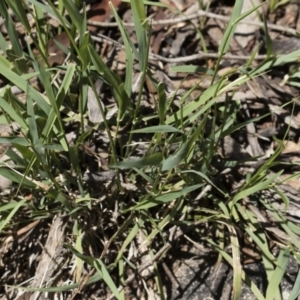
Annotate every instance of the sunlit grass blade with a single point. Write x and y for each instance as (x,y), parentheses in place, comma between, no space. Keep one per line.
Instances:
(151,160)
(296,288)
(182,153)
(245,277)
(236,264)
(207,95)
(158,128)
(256,188)
(275,280)
(228,35)
(15,207)
(13,36)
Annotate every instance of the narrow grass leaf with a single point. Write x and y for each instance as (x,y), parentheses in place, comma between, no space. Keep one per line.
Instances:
(16,177)
(145,176)
(173,195)
(116,85)
(15,207)
(83,26)
(78,246)
(31,120)
(283,59)
(244,276)
(158,128)
(8,109)
(236,264)
(3,43)
(99,265)
(292,226)
(84,52)
(256,188)
(192,69)
(260,243)
(268,40)
(151,160)
(129,238)
(13,140)
(282,221)
(19,10)
(274,283)
(47,9)
(296,288)
(65,86)
(40,31)
(284,198)
(129,48)
(194,105)
(206,179)
(230,29)
(12,33)
(182,153)
(139,17)
(168,218)
(73,13)
(23,85)
(250,11)
(8,206)
(162,102)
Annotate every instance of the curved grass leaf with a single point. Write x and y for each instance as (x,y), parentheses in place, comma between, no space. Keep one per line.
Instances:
(16,177)
(15,206)
(275,280)
(192,69)
(182,153)
(151,160)
(158,128)
(256,188)
(244,276)
(173,195)
(296,288)
(208,94)
(228,35)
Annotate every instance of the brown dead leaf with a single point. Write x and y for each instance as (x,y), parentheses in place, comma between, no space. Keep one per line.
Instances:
(291,14)
(244,32)
(157,36)
(56,55)
(290,146)
(100,12)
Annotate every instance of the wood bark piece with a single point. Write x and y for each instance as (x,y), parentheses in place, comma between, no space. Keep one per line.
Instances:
(51,259)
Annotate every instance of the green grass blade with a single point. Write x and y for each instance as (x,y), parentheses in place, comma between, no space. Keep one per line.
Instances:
(129,49)
(151,160)
(73,13)
(158,128)
(182,153)
(173,195)
(296,288)
(230,29)
(99,265)
(245,277)
(12,33)
(141,25)
(15,208)
(208,94)
(256,188)
(275,280)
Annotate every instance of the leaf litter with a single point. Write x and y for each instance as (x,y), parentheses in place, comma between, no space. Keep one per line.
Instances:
(32,250)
